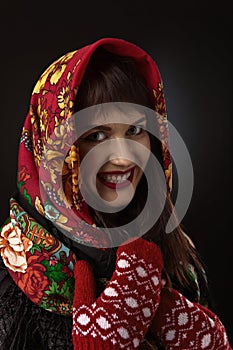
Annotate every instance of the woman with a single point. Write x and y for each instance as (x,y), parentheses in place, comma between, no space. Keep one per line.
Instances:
(73,274)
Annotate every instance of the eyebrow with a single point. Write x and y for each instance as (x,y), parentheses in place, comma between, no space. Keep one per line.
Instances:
(107,128)
(102,127)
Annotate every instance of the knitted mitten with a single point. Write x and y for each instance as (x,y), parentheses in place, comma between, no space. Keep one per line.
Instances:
(181,324)
(120,317)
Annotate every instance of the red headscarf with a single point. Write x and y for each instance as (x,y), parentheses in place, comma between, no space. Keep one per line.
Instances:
(51,106)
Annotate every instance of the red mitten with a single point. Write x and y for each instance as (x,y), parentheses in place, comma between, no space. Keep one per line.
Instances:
(120,317)
(181,324)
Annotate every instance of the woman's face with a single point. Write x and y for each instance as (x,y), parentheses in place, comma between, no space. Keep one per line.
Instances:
(119,171)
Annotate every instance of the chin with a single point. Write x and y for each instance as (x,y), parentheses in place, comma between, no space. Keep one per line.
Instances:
(120,200)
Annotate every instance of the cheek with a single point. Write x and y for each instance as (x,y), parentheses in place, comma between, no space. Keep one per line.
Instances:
(147,142)
(143,156)
(83,150)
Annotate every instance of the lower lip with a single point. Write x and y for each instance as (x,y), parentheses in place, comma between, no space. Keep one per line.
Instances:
(114,186)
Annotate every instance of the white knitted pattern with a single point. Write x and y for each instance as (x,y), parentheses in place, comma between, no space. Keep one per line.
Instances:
(125,308)
(187,324)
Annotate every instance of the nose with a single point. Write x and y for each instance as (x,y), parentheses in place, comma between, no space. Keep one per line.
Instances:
(120,154)
(121,162)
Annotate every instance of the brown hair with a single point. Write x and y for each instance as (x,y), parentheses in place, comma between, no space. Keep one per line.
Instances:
(112,78)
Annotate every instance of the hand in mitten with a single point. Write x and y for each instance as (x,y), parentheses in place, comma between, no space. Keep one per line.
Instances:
(121,316)
(181,324)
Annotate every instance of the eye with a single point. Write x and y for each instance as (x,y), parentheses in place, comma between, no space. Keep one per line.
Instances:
(135,130)
(96,136)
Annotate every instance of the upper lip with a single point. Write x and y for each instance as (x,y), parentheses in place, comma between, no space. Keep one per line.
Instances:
(117,172)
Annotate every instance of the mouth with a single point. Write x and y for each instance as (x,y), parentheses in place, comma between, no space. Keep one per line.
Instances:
(116,179)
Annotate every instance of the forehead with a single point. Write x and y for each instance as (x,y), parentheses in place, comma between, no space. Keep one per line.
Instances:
(118,116)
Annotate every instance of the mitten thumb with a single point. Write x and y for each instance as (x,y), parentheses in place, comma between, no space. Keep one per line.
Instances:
(84,292)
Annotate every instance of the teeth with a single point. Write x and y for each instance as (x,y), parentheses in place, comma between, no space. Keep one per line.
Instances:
(116,178)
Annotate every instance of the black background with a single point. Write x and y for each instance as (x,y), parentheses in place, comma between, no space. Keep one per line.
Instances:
(191,43)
